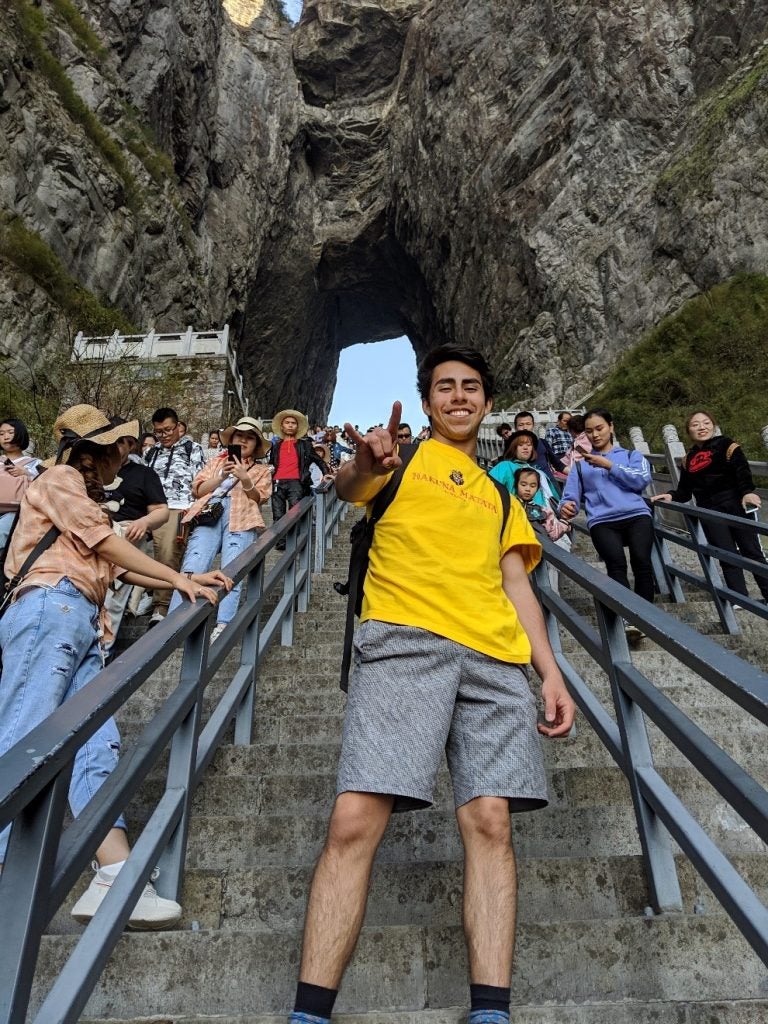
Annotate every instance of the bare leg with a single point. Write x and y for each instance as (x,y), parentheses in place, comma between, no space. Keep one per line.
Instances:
(339,890)
(490,889)
(114,848)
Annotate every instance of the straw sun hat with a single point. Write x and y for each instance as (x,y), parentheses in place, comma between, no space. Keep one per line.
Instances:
(301,419)
(87,423)
(324,450)
(247,425)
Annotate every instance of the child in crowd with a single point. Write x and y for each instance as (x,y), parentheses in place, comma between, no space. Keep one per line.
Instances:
(527,483)
(527,487)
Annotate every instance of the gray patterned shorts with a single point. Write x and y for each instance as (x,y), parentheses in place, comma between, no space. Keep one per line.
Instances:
(413,694)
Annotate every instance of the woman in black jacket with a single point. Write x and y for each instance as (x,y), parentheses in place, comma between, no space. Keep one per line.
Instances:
(716,473)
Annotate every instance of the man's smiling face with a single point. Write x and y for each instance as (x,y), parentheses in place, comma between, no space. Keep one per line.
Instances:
(457,402)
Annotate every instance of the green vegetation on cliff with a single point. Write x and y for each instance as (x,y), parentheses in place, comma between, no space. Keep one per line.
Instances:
(26,250)
(711,353)
(691,171)
(137,138)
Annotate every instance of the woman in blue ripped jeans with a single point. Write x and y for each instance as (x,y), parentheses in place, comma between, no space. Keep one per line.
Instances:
(51,633)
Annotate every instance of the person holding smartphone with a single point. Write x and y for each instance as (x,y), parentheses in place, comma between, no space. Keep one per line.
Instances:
(716,473)
(610,481)
(17,471)
(241,485)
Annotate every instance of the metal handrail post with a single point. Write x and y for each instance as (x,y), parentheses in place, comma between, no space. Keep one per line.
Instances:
(289,587)
(335,502)
(183,760)
(320,510)
(660,554)
(305,562)
(655,841)
(24,887)
(249,657)
(712,576)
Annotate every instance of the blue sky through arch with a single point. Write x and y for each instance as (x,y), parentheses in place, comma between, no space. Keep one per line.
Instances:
(370,378)
(293,9)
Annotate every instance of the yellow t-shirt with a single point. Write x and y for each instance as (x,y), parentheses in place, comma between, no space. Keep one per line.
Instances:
(434,561)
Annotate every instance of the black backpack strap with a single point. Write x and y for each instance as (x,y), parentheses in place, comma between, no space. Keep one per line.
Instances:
(506,503)
(42,545)
(381,503)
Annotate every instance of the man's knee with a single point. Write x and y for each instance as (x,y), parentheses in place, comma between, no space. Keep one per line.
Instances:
(486,820)
(358,820)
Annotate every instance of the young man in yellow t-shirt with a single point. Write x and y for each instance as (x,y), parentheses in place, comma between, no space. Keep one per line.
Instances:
(449,625)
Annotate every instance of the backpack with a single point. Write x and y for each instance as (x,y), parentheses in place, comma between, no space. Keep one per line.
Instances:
(361,538)
(151,458)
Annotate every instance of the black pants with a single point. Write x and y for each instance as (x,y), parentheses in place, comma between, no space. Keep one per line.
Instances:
(286,494)
(743,542)
(635,533)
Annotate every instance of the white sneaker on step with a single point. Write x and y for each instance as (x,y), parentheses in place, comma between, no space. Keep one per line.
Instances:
(151,913)
(217,630)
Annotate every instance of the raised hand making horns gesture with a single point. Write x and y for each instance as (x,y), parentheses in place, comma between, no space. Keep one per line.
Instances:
(375,458)
(376,450)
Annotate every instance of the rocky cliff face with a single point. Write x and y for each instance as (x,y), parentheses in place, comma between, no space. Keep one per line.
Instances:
(157,183)
(542,180)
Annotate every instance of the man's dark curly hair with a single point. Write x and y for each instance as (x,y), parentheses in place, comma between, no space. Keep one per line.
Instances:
(453,353)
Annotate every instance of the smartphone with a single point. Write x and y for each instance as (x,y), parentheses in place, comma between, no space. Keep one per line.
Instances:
(581,449)
(234,452)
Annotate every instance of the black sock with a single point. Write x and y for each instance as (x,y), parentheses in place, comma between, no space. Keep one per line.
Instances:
(489,997)
(315,1000)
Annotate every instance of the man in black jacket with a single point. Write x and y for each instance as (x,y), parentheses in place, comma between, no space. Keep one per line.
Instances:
(291,456)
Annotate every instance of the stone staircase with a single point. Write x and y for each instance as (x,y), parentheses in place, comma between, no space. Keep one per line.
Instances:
(587,952)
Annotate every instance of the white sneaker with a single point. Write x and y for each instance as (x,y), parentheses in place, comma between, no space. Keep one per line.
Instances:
(633,634)
(155,618)
(151,913)
(217,630)
(738,607)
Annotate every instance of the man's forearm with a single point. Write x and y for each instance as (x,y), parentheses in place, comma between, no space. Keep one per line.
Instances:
(156,518)
(518,589)
(532,621)
(351,485)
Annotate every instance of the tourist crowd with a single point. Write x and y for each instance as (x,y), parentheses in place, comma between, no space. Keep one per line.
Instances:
(123,520)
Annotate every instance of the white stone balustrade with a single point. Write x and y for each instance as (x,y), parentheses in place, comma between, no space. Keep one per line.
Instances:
(156,345)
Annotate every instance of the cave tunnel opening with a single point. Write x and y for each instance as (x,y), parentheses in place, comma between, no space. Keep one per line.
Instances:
(370,377)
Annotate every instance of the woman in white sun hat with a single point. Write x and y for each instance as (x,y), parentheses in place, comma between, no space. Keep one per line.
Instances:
(240,486)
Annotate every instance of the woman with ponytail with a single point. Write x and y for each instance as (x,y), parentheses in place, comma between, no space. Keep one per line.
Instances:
(51,633)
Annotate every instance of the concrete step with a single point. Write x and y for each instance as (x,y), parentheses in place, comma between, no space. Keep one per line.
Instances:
(583,750)
(409,968)
(224,842)
(273,899)
(287,794)
(745,1011)
(427,894)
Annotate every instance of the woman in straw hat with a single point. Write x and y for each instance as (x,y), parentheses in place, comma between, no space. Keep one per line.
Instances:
(241,486)
(291,456)
(51,632)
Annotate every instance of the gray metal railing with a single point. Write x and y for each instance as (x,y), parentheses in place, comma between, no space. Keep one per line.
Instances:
(42,862)
(709,555)
(659,812)
(329,513)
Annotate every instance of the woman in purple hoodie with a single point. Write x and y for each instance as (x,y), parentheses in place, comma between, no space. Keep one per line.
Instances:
(610,482)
